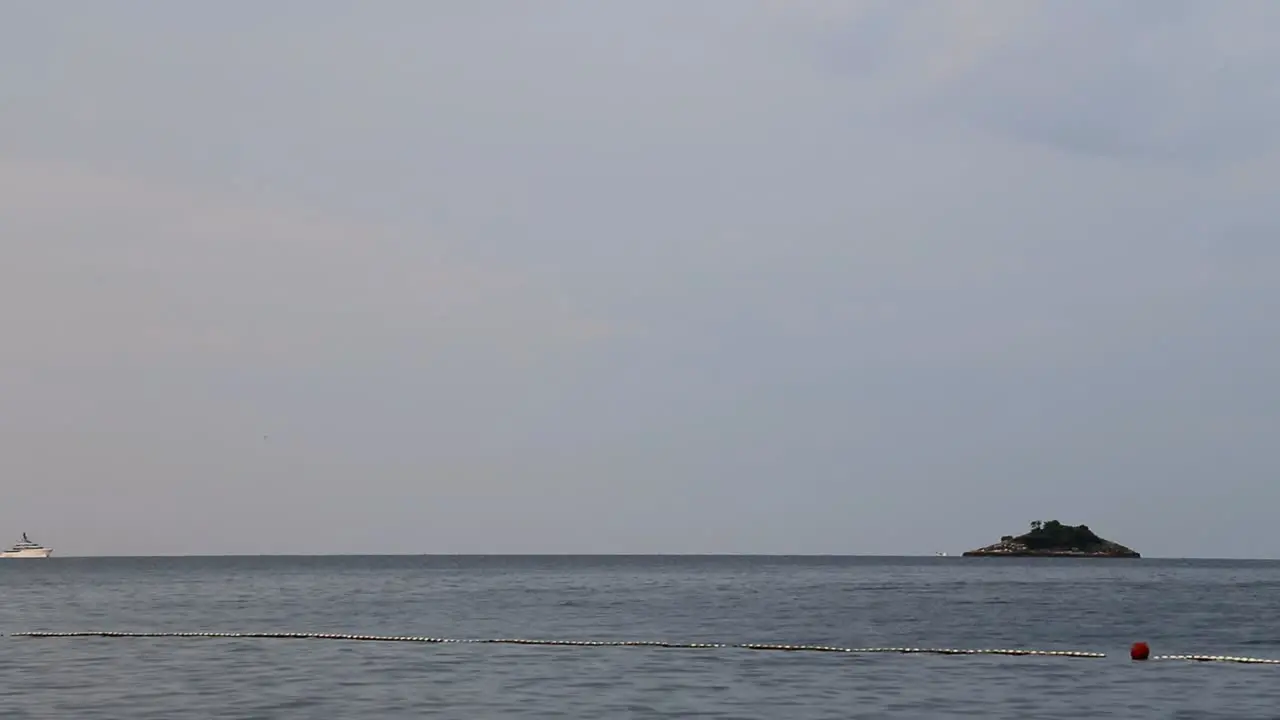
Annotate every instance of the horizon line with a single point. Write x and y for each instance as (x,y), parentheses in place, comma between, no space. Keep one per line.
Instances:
(617,555)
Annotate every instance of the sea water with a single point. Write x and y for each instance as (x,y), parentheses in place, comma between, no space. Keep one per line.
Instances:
(1178,607)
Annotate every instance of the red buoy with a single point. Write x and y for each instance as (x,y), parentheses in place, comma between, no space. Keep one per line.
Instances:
(1139,651)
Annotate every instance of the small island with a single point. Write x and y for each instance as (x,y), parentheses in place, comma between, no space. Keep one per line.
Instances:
(1053,539)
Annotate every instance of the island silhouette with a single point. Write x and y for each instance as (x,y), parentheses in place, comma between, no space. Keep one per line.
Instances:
(1054,539)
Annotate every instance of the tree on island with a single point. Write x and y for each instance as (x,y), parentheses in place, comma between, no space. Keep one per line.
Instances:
(1053,534)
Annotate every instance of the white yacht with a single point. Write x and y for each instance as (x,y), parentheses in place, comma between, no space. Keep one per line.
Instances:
(26,549)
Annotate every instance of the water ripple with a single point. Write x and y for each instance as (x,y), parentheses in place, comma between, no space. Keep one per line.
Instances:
(1177,607)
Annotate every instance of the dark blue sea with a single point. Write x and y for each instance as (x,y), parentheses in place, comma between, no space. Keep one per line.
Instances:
(1178,607)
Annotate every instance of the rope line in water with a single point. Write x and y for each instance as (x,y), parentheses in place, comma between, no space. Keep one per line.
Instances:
(1219,658)
(630,643)
(568,643)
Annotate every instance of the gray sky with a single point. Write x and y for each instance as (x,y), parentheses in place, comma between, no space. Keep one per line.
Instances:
(662,276)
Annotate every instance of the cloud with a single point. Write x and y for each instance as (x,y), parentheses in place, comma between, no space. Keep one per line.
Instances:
(1172,83)
(118,270)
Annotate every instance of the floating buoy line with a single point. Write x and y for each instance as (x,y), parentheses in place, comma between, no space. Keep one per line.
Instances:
(1135,654)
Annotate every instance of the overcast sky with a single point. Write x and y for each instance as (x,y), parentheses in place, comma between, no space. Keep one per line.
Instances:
(758,276)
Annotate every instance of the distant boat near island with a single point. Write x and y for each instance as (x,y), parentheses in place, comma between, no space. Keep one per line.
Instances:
(25,548)
(1054,539)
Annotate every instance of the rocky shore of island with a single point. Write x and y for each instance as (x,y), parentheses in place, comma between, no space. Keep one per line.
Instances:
(1054,539)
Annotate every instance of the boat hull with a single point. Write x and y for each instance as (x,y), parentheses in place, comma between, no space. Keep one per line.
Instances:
(27,553)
